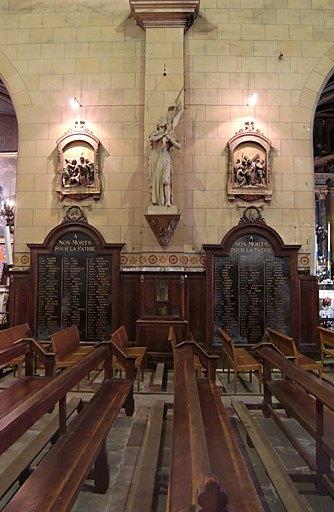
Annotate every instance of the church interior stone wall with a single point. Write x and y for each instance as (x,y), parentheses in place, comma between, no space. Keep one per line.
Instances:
(53,50)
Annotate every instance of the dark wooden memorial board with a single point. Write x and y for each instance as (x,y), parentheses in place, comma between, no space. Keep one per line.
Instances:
(76,278)
(251,285)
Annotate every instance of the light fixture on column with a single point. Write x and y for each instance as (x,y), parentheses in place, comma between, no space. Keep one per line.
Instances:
(252,99)
(75,103)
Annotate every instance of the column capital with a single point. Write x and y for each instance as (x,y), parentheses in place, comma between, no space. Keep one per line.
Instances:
(164,13)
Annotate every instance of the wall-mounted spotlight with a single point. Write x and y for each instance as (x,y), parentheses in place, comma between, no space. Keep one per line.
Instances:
(281,56)
(252,99)
(75,103)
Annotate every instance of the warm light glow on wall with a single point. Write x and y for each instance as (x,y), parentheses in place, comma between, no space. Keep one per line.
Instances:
(75,103)
(252,99)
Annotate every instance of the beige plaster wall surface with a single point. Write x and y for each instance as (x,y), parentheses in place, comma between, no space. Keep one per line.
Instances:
(51,50)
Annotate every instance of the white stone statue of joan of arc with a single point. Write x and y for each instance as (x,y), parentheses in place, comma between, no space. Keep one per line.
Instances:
(162,141)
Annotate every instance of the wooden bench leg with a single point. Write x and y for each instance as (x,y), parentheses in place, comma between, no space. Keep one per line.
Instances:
(129,404)
(102,471)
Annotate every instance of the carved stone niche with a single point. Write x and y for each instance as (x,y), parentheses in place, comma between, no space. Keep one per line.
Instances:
(249,169)
(78,164)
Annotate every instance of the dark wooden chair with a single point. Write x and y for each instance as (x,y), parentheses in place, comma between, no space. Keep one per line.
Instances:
(120,338)
(286,345)
(239,360)
(203,443)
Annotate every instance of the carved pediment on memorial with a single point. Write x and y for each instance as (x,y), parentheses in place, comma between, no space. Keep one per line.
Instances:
(78,164)
(249,169)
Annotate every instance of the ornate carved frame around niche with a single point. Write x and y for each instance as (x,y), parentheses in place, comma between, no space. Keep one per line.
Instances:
(250,225)
(78,164)
(249,166)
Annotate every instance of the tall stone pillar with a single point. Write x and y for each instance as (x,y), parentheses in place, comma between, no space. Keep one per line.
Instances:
(164,22)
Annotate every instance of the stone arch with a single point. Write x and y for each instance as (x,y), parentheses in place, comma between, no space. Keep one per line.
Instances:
(15,85)
(315,84)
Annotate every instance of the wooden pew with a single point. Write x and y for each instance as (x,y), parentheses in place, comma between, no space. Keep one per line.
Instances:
(10,336)
(21,390)
(56,482)
(240,360)
(326,345)
(286,345)
(67,347)
(172,339)
(207,468)
(309,400)
(120,338)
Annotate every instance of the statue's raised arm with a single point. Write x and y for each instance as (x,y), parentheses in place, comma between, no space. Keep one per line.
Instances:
(162,141)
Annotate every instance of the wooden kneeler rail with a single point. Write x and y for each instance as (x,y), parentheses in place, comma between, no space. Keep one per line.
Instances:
(277,472)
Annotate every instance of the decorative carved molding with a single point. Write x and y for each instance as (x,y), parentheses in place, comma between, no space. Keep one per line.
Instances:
(163,226)
(249,173)
(252,214)
(74,214)
(173,13)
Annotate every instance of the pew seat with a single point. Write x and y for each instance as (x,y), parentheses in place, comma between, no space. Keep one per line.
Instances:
(310,401)
(302,406)
(120,338)
(67,347)
(56,482)
(286,345)
(239,360)
(206,466)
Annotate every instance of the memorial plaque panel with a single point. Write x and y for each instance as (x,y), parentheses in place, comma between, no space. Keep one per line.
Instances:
(74,286)
(251,290)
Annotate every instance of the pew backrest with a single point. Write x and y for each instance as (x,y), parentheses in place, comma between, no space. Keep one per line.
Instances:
(120,338)
(9,336)
(172,337)
(326,338)
(284,343)
(65,341)
(227,344)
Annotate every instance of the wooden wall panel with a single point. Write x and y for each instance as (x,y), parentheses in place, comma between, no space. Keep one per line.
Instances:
(309,313)
(195,287)
(129,302)
(20,299)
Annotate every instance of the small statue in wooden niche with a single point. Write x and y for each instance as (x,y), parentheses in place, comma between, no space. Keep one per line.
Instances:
(78,164)
(163,140)
(249,165)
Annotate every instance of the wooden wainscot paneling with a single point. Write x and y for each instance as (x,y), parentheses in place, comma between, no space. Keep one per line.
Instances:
(195,304)
(309,313)
(129,302)
(153,301)
(19,306)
